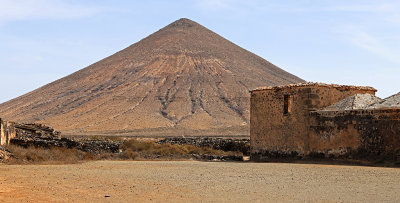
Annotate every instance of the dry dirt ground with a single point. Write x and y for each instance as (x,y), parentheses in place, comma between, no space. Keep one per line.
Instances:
(193,181)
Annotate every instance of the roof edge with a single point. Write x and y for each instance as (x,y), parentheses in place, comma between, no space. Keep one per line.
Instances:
(314,84)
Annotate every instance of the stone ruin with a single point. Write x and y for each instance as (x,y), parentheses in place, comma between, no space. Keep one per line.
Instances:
(39,135)
(25,134)
(324,122)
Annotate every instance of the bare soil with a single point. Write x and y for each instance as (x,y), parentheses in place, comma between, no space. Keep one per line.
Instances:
(183,181)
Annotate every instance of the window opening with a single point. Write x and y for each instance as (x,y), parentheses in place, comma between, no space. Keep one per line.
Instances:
(287,103)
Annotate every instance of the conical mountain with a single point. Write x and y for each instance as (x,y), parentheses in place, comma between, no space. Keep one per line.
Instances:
(182,79)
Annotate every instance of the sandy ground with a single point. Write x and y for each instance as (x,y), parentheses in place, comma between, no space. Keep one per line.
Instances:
(183,181)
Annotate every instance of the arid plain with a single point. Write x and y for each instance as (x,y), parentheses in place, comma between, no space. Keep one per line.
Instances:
(194,181)
(182,81)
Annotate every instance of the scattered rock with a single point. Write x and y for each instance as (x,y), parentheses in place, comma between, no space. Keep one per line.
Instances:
(4,154)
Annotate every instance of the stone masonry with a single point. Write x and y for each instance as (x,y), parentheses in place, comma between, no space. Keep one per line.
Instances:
(293,122)
(7,132)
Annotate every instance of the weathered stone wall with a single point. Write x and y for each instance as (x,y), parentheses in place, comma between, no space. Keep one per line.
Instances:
(372,135)
(224,144)
(275,133)
(2,134)
(7,132)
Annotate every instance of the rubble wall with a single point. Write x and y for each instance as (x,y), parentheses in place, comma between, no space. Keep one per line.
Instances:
(275,134)
(372,134)
(224,144)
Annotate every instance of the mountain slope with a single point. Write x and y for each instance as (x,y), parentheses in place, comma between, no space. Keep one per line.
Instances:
(182,79)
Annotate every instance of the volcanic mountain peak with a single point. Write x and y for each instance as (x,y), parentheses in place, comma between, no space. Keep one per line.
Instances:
(182,79)
(183,23)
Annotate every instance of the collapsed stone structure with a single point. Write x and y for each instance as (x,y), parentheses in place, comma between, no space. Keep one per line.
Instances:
(38,135)
(315,120)
(12,132)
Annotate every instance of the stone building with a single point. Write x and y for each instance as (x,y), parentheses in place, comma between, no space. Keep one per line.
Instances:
(320,121)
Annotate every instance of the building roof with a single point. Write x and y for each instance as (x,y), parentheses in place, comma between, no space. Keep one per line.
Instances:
(358,101)
(314,84)
(390,102)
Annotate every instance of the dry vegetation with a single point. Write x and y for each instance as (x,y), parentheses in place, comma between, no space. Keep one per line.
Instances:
(129,150)
(33,154)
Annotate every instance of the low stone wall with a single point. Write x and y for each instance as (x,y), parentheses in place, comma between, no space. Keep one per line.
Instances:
(224,144)
(370,134)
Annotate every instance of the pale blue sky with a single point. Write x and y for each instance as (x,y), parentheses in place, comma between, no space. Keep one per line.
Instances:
(333,41)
